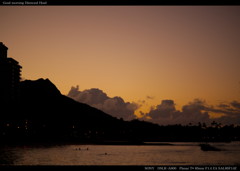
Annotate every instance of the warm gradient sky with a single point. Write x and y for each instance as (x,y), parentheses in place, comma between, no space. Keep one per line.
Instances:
(144,54)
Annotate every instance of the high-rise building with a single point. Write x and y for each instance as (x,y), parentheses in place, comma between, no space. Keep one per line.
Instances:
(10,75)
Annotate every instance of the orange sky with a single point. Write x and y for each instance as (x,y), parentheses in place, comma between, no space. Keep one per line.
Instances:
(166,52)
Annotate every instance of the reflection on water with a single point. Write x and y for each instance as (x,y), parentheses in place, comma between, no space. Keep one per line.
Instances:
(177,154)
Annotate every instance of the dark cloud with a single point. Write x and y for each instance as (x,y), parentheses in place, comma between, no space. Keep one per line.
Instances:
(235,104)
(194,112)
(223,106)
(149,97)
(229,110)
(164,110)
(115,106)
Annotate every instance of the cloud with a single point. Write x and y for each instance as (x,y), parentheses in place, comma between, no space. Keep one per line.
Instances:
(165,113)
(164,110)
(230,111)
(150,97)
(223,106)
(235,104)
(194,112)
(115,106)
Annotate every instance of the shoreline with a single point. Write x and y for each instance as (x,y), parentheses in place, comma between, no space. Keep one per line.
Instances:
(110,143)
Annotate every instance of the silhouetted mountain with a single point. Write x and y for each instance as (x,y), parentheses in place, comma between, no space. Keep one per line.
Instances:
(44,111)
(44,99)
(39,88)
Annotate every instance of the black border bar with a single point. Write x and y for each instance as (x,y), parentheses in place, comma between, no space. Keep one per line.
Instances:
(122,168)
(115,2)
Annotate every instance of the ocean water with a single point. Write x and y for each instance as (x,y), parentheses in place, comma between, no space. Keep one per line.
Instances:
(176,154)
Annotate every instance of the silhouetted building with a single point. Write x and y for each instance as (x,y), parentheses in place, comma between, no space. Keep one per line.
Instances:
(10,74)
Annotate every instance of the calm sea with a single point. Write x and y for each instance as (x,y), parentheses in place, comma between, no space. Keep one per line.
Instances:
(176,154)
